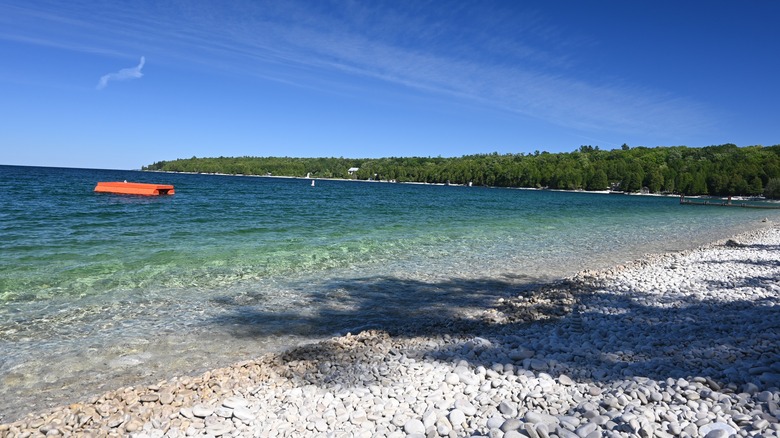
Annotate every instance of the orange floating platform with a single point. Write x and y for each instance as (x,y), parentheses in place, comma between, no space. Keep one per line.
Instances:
(129,188)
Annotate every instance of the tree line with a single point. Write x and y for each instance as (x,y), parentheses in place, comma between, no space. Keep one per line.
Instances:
(723,170)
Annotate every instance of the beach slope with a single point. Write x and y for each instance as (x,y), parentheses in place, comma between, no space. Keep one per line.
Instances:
(682,344)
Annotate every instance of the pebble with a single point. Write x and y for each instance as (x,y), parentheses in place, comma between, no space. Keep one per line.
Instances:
(507,408)
(166,398)
(511,424)
(219,429)
(244,414)
(149,398)
(521,354)
(457,418)
(715,430)
(466,407)
(565,380)
(587,429)
(202,411)
(186,412)
(495,422)
(114,421)
(223,412)
(133,425)
(234,402)
(414,427)
(538,417)
(635,350)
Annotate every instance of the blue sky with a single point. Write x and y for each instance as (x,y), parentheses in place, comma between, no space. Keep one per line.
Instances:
(114,84)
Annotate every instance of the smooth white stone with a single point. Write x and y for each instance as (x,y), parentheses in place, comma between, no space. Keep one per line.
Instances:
(243,414)
(414,426)
(563,379)
(219,429)
(234,402)
(429,418)
(467,408)
(511,424)
(202,411)
(223,412)
(538,417)
(507,408)
(495,422)
(452,379)
(457,418)
(707,428)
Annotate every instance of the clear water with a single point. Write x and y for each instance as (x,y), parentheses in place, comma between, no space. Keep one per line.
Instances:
(99,291)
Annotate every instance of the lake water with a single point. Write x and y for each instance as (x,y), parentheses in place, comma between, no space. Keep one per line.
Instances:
(99,291)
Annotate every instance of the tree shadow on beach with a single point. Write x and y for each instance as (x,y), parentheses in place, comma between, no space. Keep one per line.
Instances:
(571,327)
(402,307)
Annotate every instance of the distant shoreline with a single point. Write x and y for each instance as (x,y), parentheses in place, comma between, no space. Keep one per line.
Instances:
(600,192)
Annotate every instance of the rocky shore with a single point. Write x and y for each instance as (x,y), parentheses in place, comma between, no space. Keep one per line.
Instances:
(683,344)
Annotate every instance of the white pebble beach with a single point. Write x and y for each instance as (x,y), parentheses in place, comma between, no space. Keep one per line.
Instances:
(683,344)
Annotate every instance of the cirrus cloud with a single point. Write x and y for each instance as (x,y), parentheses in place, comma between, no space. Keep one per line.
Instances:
(121,75)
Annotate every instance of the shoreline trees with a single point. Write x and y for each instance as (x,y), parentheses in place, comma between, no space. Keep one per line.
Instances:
(723,170)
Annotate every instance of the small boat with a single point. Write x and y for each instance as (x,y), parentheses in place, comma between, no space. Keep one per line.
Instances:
(129,188)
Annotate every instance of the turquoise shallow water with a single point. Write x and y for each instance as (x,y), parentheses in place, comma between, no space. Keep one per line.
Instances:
(101,290)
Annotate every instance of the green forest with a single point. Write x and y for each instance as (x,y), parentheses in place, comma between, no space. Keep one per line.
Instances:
(723,170)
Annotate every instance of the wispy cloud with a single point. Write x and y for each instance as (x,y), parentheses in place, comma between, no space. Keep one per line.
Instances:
(525,65)
(121,75)
(506,59)
(537,79)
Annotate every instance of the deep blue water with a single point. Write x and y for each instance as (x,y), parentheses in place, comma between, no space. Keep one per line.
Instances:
(99,290)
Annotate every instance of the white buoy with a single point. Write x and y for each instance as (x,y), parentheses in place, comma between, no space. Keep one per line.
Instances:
(312,183)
